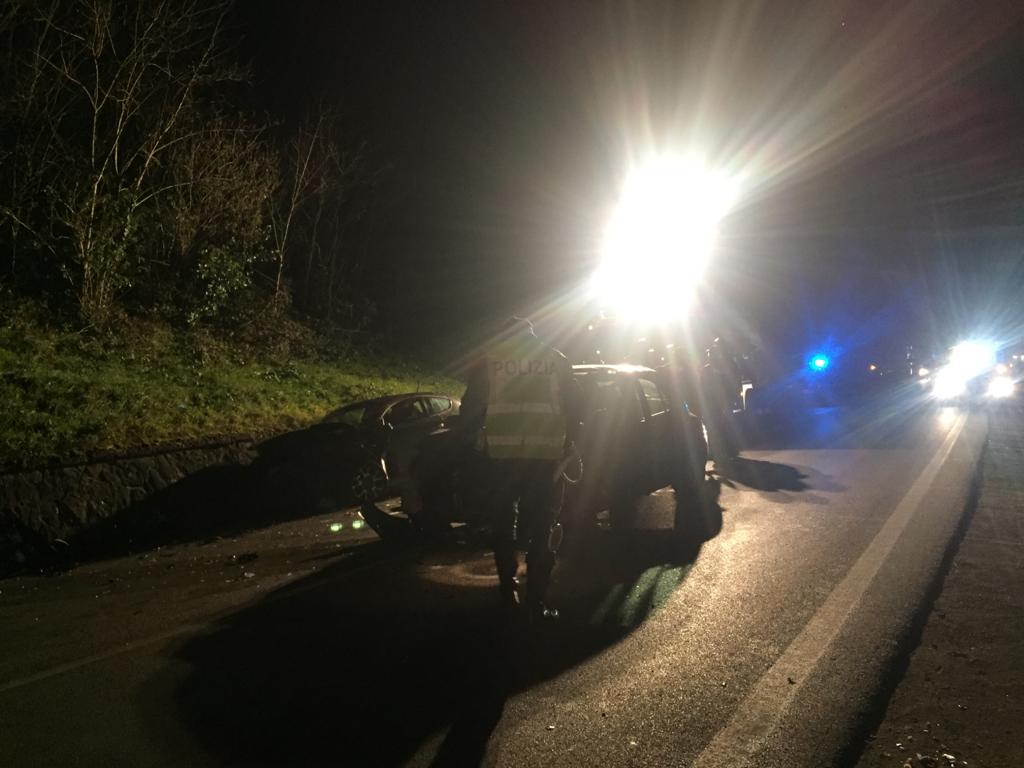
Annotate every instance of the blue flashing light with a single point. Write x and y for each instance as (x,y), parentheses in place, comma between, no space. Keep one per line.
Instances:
(819,362)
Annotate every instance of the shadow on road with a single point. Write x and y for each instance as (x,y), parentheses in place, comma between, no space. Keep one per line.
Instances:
(370,666)
(761,475)
(777,482)
(220,501)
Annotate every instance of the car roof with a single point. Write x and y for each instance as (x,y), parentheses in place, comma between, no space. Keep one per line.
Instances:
(378,405)
(389,399)
(621,369)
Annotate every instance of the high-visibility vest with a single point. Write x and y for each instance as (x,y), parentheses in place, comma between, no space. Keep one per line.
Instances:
(524,409)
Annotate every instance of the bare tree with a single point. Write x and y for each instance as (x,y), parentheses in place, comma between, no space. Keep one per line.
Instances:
(218,208)
(127,173)
(303,179)
(112,85)
(334,263)
(327,186)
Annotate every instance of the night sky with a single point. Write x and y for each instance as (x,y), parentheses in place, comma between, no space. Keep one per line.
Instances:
(881,147)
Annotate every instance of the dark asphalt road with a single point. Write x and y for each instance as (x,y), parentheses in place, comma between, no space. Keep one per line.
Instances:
(296,645)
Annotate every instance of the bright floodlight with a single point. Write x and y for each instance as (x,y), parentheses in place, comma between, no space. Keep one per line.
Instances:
(660,238)
(819,362)
(1000,386)
(972,358)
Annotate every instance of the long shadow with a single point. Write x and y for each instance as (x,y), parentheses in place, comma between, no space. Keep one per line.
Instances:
(777,482)
(762,475)
(220,501)
(370,667)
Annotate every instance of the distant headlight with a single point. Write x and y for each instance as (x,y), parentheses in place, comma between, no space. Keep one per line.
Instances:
(949,383)
(1001,386)
(922,371)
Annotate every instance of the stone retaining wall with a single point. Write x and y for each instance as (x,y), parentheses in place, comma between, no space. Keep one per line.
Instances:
(49,506)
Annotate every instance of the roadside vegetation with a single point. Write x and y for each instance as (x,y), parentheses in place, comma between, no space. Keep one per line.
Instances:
(174,262)
(67,393)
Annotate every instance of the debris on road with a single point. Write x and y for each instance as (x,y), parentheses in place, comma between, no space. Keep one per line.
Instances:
(919,760)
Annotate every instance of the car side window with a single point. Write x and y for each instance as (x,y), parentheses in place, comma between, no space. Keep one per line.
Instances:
(602,396)
(655,399)
(406,412)
(438,405)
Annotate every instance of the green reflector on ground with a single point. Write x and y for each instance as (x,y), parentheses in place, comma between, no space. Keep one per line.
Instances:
(357,524)
(335,527)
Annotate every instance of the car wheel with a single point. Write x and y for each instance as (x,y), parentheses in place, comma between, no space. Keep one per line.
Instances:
(369,482)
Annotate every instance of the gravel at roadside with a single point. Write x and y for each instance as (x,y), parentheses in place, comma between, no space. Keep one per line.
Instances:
(961,702)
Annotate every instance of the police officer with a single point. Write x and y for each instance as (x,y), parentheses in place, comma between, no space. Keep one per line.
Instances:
(523,395)
(721,386)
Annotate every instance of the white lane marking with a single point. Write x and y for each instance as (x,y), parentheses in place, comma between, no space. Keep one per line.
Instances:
(766,704)
(60,669)
(186,629)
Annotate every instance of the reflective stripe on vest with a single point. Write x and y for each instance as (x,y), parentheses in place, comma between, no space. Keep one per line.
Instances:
(524,415)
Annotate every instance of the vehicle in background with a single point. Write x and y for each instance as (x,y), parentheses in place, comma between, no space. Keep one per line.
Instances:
(972,374)
(797,385)
(353,451)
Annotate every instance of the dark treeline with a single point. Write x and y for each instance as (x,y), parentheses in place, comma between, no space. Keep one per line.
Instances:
(136,177)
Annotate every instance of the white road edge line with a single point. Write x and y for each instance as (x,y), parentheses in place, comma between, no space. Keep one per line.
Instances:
(766,704)
(186,629)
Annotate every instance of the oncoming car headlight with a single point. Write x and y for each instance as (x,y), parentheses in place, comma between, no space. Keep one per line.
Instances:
(1000,386)
(949,383)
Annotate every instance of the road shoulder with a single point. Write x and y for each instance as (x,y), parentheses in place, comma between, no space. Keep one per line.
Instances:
(962,698)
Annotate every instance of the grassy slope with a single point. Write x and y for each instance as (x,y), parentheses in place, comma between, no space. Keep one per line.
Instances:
(63,394)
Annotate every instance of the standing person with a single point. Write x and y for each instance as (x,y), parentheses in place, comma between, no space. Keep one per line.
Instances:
(523,395)
(721,387)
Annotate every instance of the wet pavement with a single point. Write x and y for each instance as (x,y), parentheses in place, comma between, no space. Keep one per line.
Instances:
(312,642)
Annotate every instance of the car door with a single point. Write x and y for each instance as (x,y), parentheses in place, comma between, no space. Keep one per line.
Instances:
(410,420)
(440,409)
(611,439)
(657,434)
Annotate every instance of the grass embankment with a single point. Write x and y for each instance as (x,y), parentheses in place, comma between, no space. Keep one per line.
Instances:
(67,394)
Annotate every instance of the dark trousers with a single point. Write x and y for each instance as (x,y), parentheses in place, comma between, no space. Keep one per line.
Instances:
(528,482)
